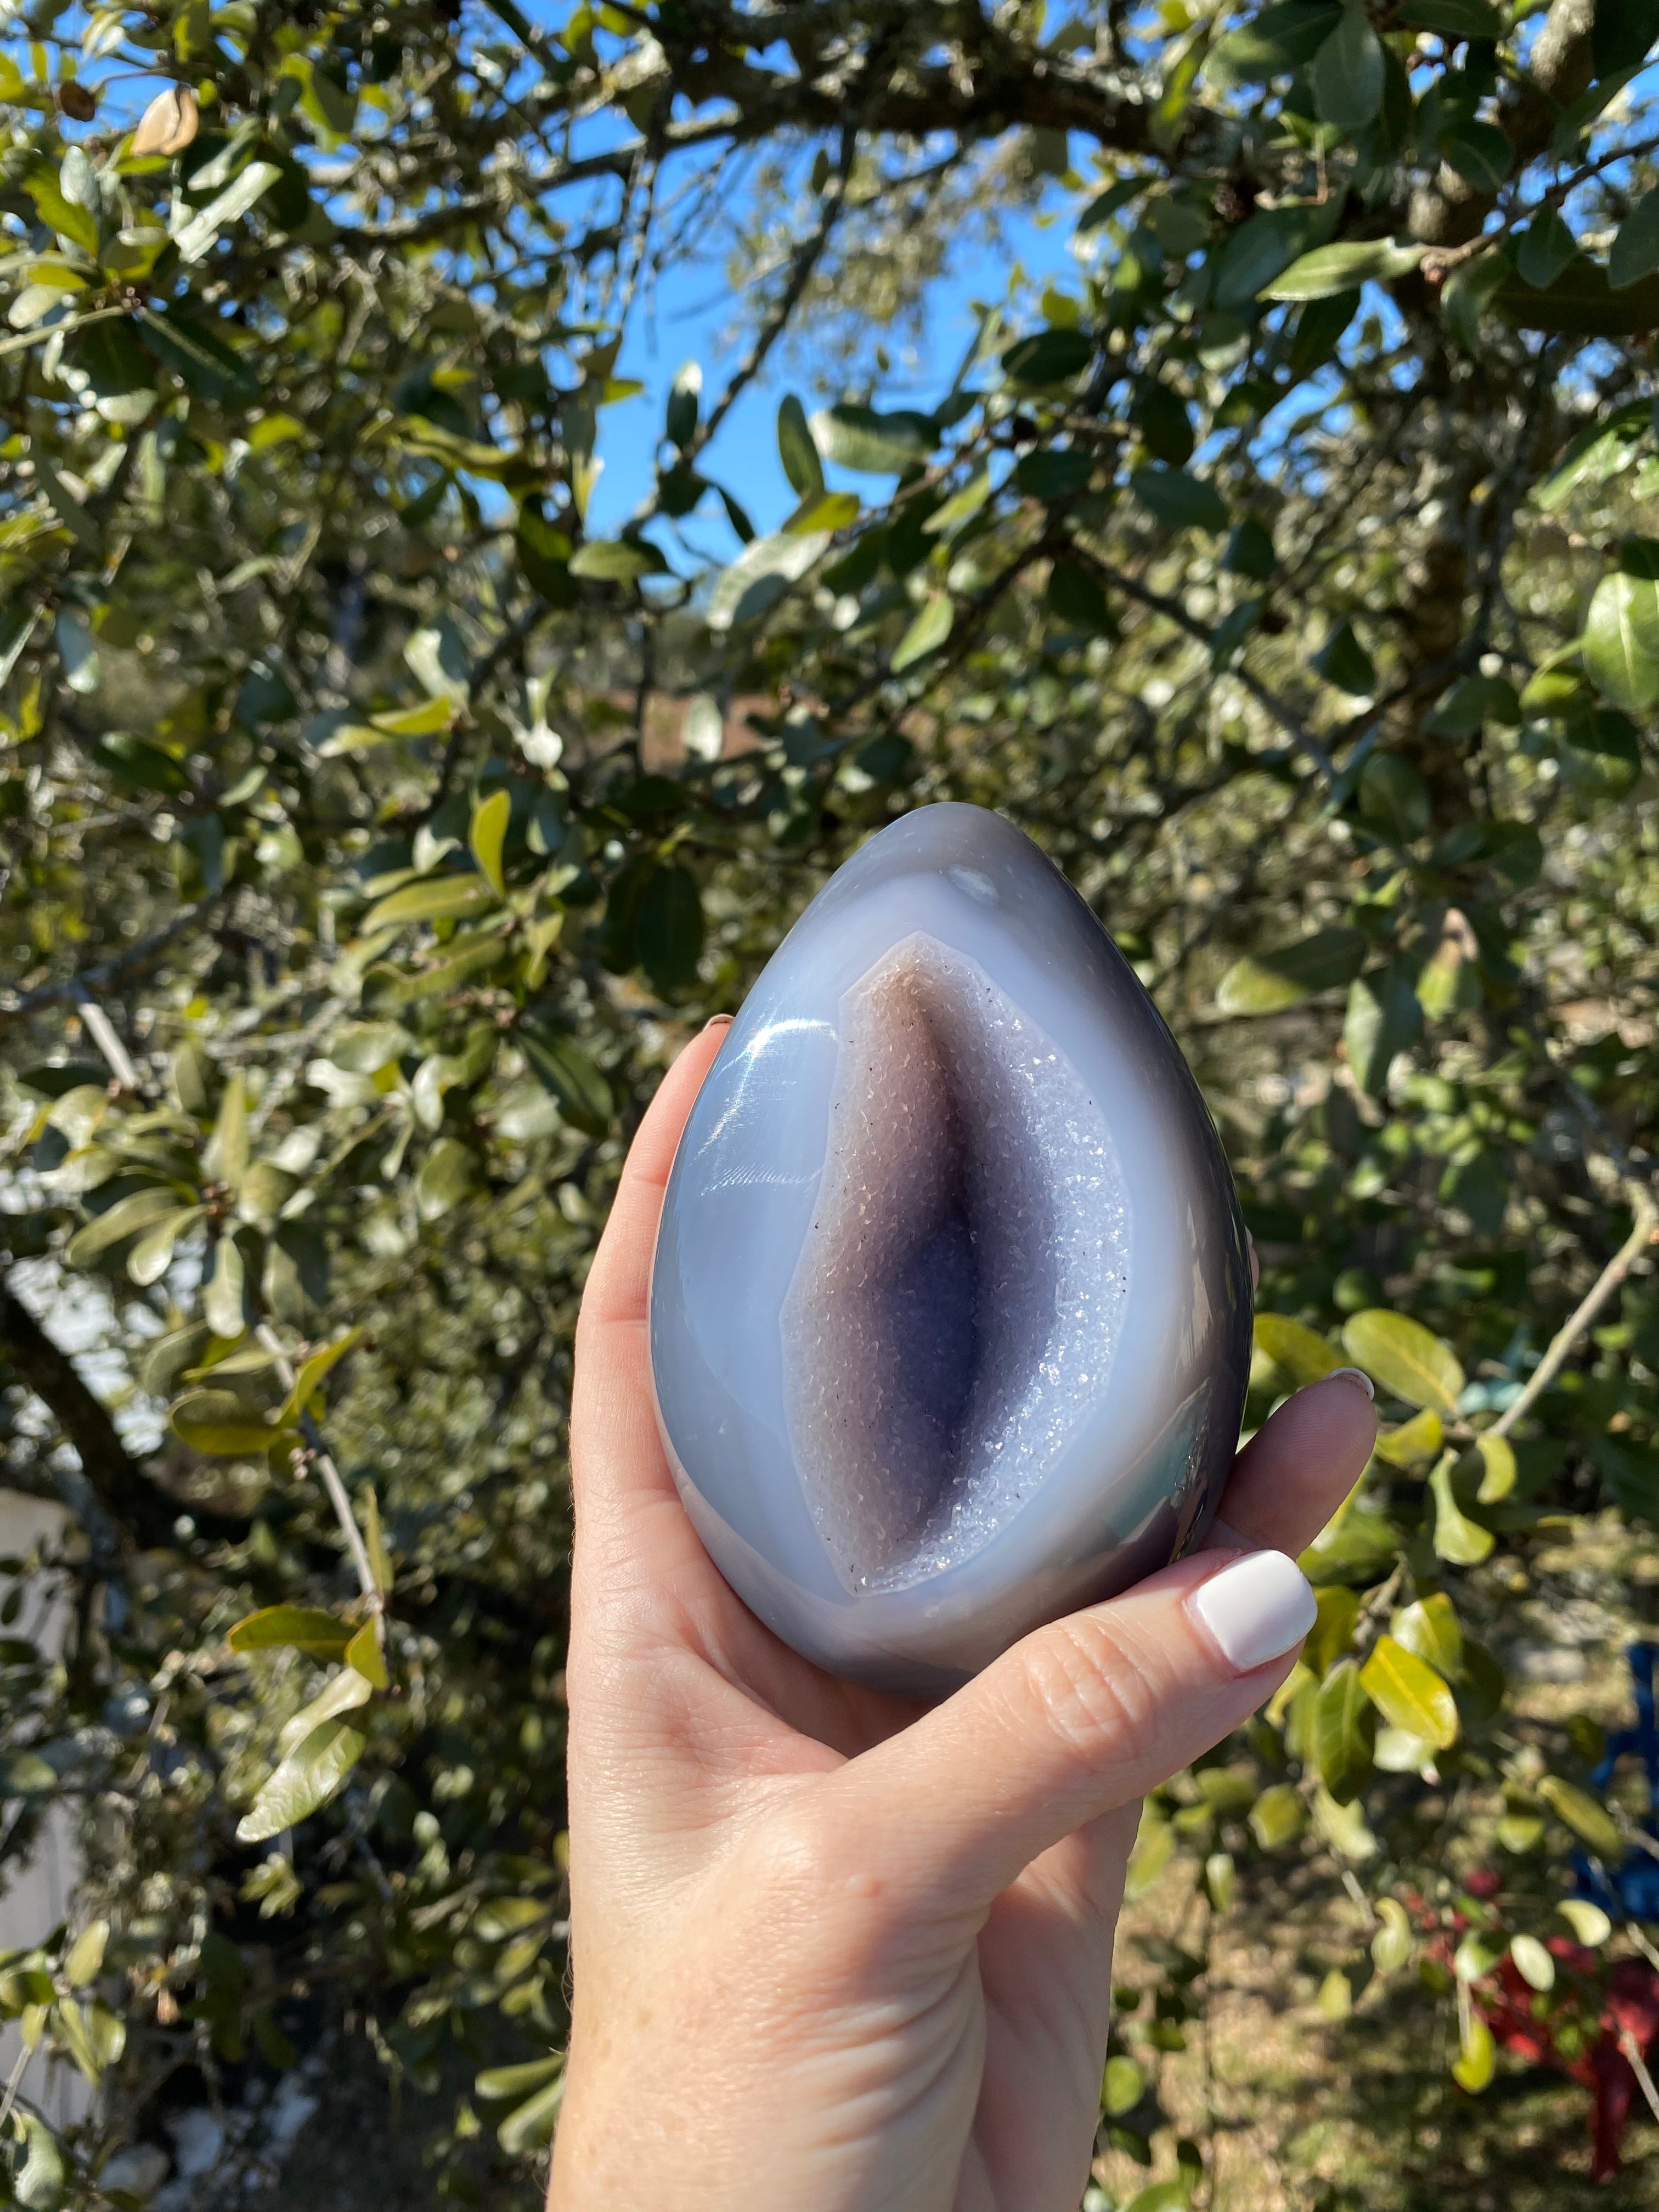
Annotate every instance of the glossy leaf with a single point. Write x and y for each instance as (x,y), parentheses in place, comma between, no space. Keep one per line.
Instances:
(313,1772)
(1409,1694)
(1409,1361)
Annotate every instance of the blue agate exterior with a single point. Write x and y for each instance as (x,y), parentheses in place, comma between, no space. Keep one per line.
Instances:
(1137,1480)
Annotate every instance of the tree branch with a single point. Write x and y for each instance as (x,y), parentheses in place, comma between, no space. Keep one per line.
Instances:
(118,1480)
(70,989)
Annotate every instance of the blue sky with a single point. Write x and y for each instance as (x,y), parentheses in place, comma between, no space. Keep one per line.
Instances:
(694,311)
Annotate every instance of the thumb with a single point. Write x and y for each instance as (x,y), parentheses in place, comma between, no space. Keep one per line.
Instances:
(1086,1715)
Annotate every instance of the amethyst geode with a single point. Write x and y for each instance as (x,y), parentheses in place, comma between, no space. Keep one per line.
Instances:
(951,1309)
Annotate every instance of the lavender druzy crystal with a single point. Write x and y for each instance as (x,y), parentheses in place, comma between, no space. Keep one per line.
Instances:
(951,1310)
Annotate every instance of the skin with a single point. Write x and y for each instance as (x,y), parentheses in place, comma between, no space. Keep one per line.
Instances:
(833,1950)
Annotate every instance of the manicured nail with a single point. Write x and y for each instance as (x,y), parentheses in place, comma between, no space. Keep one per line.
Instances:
(1255,1609)
(1354,1375)
(718,1022)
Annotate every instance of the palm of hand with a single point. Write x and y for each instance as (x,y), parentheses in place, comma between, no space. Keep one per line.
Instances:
(831,1950)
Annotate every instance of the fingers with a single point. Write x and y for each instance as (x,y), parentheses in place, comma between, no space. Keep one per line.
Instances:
(1085,1715)
(1299,1466)
(616,1455)
(619,1282)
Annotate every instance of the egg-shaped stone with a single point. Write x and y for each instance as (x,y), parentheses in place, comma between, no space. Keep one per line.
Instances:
(951,1307)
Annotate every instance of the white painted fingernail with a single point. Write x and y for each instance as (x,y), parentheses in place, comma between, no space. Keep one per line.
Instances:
(1255,1609)
(1353,1375)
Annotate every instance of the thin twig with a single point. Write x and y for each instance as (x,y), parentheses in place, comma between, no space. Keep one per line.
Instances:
(1561,1345)
(1638,2067)
(330,1479)
(15,2083)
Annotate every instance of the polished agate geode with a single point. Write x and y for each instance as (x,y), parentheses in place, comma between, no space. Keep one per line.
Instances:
(951,1309)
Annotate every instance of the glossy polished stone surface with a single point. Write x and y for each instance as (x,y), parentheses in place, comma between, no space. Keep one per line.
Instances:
(951,1310)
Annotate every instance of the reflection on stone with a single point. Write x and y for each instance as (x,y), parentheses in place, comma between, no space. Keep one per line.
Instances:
(949,1315)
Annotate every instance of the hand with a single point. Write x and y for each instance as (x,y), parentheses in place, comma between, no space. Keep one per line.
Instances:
(834,1951)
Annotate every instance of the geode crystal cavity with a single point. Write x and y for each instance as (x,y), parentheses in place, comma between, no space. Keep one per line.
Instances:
(950,1311)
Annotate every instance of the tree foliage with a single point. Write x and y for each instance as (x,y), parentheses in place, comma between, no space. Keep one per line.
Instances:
(373,832)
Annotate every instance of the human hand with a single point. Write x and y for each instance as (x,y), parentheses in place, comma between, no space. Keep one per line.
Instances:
(834,1951)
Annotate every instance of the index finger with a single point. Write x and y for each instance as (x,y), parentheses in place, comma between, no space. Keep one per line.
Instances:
(619,1282)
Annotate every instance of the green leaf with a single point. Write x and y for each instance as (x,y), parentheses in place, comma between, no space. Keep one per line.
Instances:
(222,1306)
(1383,1017)
(1154,1847)
(313,1772)
(196,237)
(85,1959)
(1579,303)
(1178,501)
(1622,641)
(1391,1946)
(140,1210)
(1394,798)
(225,1158)
(1413,1442)
(961,507)
(684,398)
(1587,1816)
(1477,2058)
(222,1426)
(1303,1355)
(39,2184)
(1161,2196)
(1409,1694)
(145,765)
(447,1175)
(1622,34)
(583,1095)
(1533,1962)
(498,2082)
(437,898)
(308,1377)
(1454,19)
(1274,43)
(531,2125)
(1270,982)
(203,362)
(617,560)
(291,1627)
(1588,1922)
(761,576)
(926,633)
(344,1693)
(1344,1733)
(1408,1360)
(1343,660)
(1347,72)
(1329,269)
(1052,356)
(1278,1817)
(1497,1457)
(72,221)
(668,928)
(796,450)
(1260,250)
(1601,450)
(1546,247)
(488,835)
(26,1774)
(872,444)
(1122,2086)
(1429,1627)
(363,1655)
(1478,151)
(1635,251)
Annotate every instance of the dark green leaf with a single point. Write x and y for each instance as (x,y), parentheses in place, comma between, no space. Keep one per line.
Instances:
(198,355)
(582,1093)
(1179,502)
(859,438)
(1048,357)
(1267,982)
(797,450)
(1274,42)
(1348,71)
(668,928)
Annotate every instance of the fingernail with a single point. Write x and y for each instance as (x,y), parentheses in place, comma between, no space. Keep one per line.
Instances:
(718,1022)
(1354,1375)
(1255,1609)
